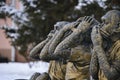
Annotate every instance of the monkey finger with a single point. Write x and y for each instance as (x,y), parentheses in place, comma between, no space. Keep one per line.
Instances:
(86,18)
(89,19)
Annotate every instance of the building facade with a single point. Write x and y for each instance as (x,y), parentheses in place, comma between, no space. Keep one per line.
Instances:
(6,49)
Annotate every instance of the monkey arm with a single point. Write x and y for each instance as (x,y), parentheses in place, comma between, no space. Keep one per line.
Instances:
(67,42)
(44,54)
(35,51)
(94,66)
(111,70)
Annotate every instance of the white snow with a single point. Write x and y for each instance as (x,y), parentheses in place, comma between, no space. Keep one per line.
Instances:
(100,2)
(13,70)
(16,15)
(31,3)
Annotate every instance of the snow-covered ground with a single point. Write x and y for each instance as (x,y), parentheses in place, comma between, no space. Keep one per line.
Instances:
(13,70)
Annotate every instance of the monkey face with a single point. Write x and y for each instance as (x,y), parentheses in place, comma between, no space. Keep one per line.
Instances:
(111,22)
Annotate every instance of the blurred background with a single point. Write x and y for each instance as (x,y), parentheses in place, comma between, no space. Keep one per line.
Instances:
(25,23)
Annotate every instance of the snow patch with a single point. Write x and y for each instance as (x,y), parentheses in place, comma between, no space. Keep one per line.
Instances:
(12,71)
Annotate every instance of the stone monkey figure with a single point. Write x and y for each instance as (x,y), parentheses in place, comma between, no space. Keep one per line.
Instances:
(43,48)
(34,54)
(105,61)
(57,68)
